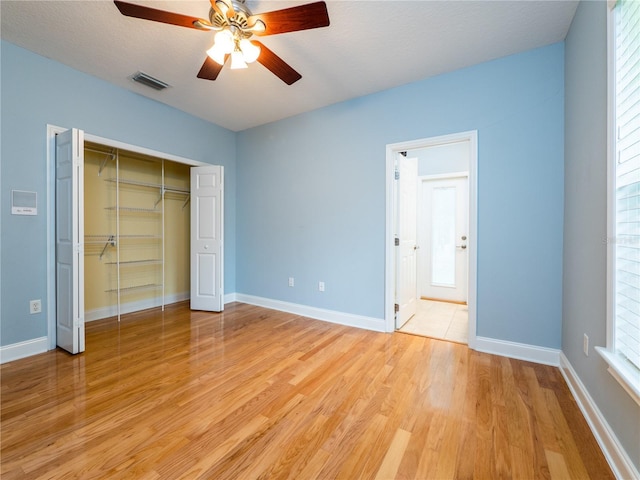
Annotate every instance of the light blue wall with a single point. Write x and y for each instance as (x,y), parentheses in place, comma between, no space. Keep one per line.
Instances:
(585,230)
(36,92)
(312,202)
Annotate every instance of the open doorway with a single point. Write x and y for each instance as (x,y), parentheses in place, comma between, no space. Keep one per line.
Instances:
(442,214)
(442,254)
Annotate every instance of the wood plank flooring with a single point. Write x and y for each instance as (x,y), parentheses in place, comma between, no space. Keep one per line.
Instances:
(256,393)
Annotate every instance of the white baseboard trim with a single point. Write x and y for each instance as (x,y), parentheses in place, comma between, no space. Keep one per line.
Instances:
(19,350)
(112,310)
(230,298)
(521,351)
(347,319)
(615,454)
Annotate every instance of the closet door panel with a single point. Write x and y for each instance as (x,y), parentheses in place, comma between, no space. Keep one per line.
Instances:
(69,241)
(206,238)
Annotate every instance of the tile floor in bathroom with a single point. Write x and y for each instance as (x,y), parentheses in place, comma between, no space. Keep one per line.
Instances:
(446,321)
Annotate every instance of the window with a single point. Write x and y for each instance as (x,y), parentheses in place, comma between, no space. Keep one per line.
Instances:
(623,343)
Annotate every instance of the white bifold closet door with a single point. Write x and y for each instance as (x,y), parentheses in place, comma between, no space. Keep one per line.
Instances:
(207,209)
(70,240)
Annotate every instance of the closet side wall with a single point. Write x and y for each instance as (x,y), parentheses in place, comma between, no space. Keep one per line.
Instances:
(177,231)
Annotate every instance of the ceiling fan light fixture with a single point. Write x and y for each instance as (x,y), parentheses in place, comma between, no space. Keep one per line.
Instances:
(237,60)
(235,24)
(217,54)
(224,40)
(223,44)
(250,51)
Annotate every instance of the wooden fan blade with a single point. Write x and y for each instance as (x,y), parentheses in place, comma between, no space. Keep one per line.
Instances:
(276,65)
(210,69)
(146,13)
(303,17)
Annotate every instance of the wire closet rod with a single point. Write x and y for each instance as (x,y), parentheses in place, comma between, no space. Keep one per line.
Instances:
(111,154)
(108,156)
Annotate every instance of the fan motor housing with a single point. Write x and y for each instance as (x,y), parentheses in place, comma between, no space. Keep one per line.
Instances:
(239,20)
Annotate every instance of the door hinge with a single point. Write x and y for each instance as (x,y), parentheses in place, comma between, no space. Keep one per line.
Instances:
(78,248)
(396,174)
(396,308)
(396,242)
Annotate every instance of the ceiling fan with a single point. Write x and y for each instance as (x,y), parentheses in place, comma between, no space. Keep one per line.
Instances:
(235,25)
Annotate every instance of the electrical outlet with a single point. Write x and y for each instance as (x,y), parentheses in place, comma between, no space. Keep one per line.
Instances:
(585,345)
(291,282)
(35,306)
(321,286)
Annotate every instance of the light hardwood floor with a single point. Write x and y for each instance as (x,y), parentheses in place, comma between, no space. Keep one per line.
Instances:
(256,393)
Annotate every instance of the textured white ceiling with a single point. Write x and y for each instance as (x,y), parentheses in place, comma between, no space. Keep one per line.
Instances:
(370,46)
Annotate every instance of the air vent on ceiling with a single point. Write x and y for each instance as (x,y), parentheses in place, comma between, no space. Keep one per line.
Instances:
(149,81)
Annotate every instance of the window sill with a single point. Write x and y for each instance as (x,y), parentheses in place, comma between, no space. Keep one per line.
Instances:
(626,375)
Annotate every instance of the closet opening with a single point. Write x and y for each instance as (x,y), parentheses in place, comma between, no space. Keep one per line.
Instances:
(128,229)
(136,231)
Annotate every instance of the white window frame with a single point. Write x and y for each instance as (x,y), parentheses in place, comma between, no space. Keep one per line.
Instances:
(625,373)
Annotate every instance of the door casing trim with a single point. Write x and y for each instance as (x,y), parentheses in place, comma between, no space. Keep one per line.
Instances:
(391,202)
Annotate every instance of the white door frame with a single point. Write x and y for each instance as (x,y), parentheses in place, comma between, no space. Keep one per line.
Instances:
(52,130)
(390,262)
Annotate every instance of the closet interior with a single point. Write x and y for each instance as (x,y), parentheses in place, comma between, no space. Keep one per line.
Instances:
(137,230)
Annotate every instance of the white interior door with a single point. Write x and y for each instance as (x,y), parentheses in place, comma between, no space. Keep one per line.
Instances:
(207,195)
(406,282)
(70,240)
(444,256)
